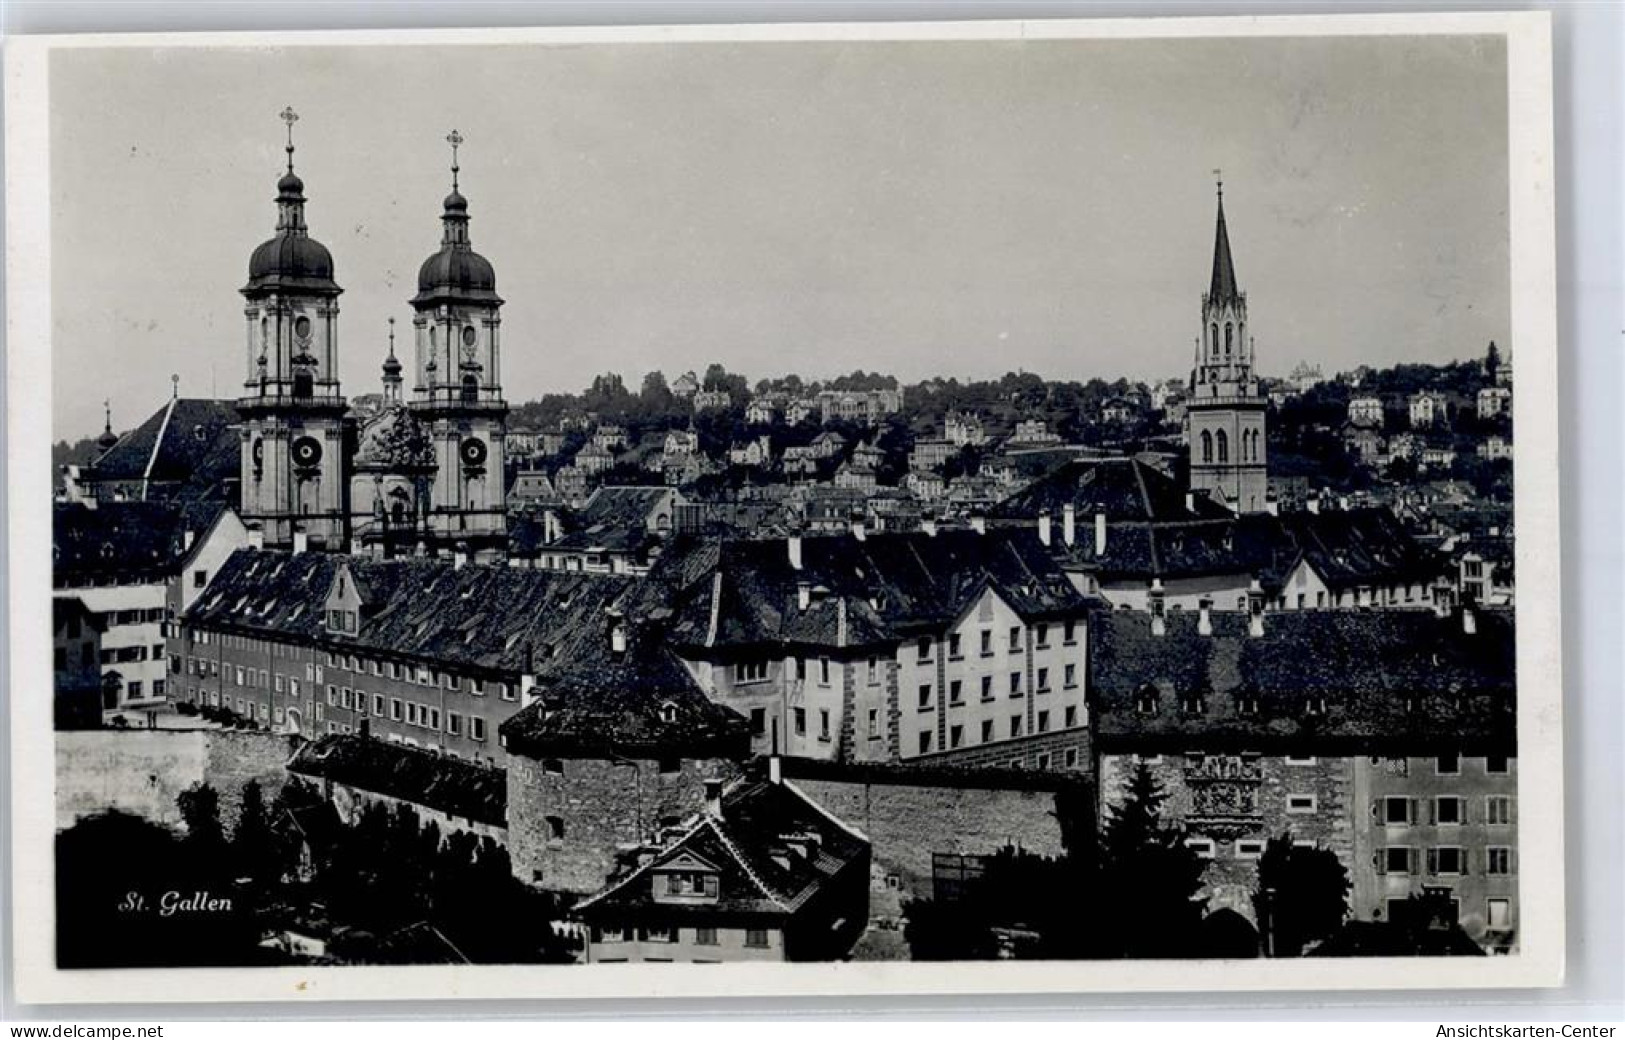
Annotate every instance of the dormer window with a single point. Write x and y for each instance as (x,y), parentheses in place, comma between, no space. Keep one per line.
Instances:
(1193,704)
(668,712)
(1315,706)
(1247,703)
(1145,702)
(686,885)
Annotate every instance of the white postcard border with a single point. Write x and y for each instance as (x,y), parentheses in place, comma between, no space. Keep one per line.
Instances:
(1539,962)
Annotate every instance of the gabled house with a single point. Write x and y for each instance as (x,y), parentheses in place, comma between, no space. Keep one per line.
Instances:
(762,873)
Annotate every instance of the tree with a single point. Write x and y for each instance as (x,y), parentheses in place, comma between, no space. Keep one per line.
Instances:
(251,846)
(200,813)
(1151,876)
(1302,896)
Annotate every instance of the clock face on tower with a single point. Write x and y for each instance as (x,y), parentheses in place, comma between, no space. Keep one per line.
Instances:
(307,451)
(472,452)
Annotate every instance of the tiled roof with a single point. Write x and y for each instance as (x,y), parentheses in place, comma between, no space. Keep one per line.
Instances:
(613,518)
(773,848)
(861,591)
(174,443)
(1389,679)
(1347,548)
(484,619)
(417,775)
(640,703)
(115,539)
(1122,488)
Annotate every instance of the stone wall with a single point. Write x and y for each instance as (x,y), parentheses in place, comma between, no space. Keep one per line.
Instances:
(909,813)
(143,771)
(606,807)
(1064,750)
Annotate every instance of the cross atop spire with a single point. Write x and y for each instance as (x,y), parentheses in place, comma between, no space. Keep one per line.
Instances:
(290,117)
(392,337)
(1222,286)
(454,139)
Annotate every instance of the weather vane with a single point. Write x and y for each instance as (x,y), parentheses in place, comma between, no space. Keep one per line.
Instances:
(1218,175)
(454,139)
(392,336)
(290,117)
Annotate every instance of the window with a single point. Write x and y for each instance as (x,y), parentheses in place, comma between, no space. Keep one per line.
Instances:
(924,647)
(823,723)
(346,700)
(987,731)
(1145,702)
(1193,704)
(476,727)
(925,697)
(1498,810)
(1446,859)
(1015,639)
(1071,716)
(1500,913)
(1249,849)
(1447,809)
(1015,725)
(1069,633)
(1497,764)
(800,716)
(1043,722)
(925,742)
(1203,847)
(1396,859)
(1071,758)
(1069,676)
(1015,684)
(956,736)
(555,828)
(756,937)
(750,671)
(956,692)
(659,933)
(874,723)
(705,936)
(1042,637)
(874,670)
(758,721)
(823,671)
(454,724)
(553,766)
(1043,680)
(987,643)
(1300,803)
(953,646)
(1498,860)
(1447,765)
(1396,810)
(395,709)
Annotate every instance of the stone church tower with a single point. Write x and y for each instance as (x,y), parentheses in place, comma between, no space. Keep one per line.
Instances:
(1226,411)
(457,392)
(293,444)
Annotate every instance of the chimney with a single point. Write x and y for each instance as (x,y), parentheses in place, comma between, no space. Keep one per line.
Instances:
(1190,501)
(793,544)
(459,559)
(1157,602)
(301,541)
(1069,523)
(1043,528)
(1255,609)
(929,526)
(1100,534)
(256,537)
(858,530)
(803,595)
(1469,620)
(187,539)
(1313,502)
(978,523)
(713,798)
(1204,616)
(1271,506)
(617,633)
(775,769)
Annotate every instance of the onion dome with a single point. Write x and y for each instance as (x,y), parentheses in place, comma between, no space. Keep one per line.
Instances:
(456,272)
(292,261)
(108,437)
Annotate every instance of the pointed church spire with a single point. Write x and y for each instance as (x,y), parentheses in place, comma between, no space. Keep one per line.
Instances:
(1223,285)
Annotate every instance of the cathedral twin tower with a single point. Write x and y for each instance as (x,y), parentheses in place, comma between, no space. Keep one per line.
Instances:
(425,474)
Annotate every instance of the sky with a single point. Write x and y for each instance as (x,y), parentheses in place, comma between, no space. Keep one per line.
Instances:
(920,208)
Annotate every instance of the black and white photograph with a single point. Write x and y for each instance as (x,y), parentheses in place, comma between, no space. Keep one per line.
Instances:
(964,507)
